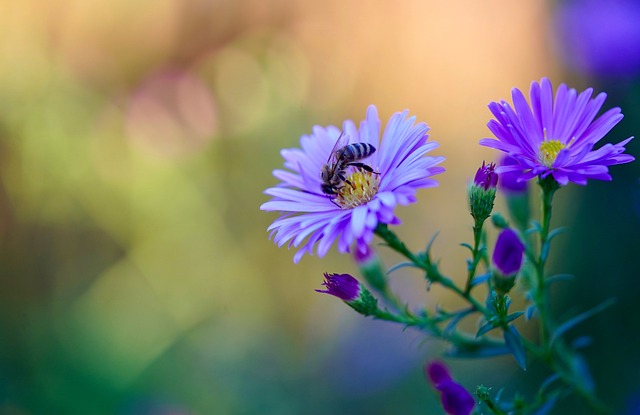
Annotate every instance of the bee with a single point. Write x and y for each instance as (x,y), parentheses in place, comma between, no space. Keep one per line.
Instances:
(342,156)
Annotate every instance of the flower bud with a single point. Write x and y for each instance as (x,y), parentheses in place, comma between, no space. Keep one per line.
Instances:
(482,192)
(456,400)
(349,290)
(507,260)
(486,177)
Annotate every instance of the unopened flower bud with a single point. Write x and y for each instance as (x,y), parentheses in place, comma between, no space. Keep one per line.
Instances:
(482,192)
(508,255)
(349,290)
(486,177)
(456,400)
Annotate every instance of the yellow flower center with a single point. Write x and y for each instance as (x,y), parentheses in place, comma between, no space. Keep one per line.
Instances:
(549,151)
(364,186)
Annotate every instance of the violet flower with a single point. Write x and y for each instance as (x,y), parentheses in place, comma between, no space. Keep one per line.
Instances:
(556,136)
(366,198)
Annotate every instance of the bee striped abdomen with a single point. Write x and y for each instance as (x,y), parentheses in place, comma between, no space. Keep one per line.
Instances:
(356,151)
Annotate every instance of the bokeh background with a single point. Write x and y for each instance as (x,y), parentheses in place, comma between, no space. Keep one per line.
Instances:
(137,137)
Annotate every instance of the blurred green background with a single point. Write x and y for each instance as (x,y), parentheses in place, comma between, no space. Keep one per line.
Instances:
(136,139)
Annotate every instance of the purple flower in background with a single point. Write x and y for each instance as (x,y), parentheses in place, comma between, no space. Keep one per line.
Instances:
(343,286)
(486,177)
(600,38)
(456,400)
(365,199)
(508,253)
(509,180)
(556,137)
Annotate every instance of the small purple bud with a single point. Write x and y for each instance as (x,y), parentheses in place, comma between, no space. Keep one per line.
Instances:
(486,177)
(456,400)
(508,252)
(343,286)
(509,180)
(437,372)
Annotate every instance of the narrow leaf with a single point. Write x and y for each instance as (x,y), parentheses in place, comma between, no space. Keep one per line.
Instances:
(431,241)
(514,343)
(480,279)
(449,328)
(530,311)
(513,316)
(556,232)
(401,265)
(466,245)
(572,322)
(485,328)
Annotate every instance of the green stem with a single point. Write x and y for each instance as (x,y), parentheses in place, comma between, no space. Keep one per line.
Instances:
(476,257)
(548,186)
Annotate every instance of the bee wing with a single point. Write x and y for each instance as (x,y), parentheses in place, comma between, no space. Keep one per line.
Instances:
(342,141)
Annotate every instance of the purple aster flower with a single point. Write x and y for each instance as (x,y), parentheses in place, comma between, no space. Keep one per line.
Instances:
(508,252)
(343,286)
(556,137)
(456,400)
(363,195)
(486,176)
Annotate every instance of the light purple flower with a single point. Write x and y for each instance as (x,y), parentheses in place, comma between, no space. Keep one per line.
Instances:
(508,252)
(556,137)
(311,217)
(456,400)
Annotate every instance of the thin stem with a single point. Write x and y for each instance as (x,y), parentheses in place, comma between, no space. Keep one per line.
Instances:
(549,186)
(476,257)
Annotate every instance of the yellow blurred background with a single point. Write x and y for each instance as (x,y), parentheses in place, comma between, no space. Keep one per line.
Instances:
(136,139)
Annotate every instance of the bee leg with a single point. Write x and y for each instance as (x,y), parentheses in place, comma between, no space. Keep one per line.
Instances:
(363,167)
(334,202)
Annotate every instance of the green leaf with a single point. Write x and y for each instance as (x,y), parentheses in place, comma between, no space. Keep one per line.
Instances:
(486,327)
(572,322)
(431,241)
(560,277)
(556,232)
(530,311)
(450,328)
(466,245)
(480,279)
(406,264)
(513,341)
(513,316)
